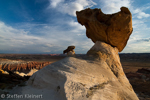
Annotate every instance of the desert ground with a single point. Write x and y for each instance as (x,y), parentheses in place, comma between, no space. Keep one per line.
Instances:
(136,67)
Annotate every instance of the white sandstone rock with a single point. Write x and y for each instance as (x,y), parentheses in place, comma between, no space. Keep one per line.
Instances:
(82,79)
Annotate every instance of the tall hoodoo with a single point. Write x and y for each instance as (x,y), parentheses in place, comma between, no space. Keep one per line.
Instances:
(113,29)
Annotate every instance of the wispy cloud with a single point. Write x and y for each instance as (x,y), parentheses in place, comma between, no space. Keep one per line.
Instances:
(55,3)
(139,13)
(20,41)
(113,6)
(46,38)
(140,47)
(70,7)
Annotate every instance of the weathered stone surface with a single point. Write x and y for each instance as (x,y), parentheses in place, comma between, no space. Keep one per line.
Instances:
(82,78)
(113,29)
(70,48)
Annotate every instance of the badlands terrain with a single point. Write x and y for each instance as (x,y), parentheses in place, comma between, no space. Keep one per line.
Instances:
(136,67)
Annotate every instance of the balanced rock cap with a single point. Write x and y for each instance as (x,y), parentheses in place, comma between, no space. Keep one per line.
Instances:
(70,48)
(113,29)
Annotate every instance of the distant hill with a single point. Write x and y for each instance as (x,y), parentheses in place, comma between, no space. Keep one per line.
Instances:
(135,56)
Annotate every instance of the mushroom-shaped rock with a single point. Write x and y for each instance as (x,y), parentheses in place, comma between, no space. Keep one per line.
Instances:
(113,29)
(70,51)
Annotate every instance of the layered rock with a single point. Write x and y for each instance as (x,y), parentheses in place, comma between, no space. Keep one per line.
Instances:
(113,29)
(84,78)
(22,66)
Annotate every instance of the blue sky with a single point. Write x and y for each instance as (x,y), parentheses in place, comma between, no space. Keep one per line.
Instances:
(50,26)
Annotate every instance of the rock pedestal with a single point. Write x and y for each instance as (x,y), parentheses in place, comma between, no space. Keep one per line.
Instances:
(71,53)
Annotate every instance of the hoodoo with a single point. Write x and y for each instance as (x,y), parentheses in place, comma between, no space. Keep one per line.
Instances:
(95,76)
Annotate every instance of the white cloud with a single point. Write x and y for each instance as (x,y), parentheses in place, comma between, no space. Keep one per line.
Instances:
(113,6)
(140,47)
(54,3)
(50,38)
(70,7)
(20,41)
(140,14)
(76,26)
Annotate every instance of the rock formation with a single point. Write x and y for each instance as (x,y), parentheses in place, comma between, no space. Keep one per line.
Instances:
(82,78)
(70,48)
(95,76)
(71,54)
(70,51)
(22,66)
(113,29)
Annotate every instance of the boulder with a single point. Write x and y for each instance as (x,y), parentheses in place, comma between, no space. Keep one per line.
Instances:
(70,48)
(113,29)
(84,78)
(70,51)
